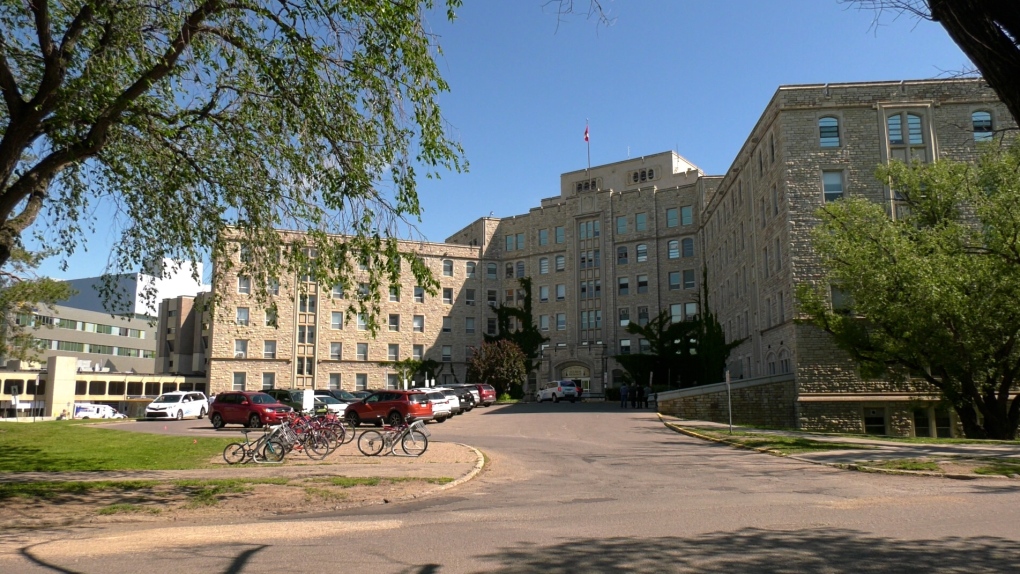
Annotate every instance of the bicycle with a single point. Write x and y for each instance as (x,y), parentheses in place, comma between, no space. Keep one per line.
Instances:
(413,440)
(265,449)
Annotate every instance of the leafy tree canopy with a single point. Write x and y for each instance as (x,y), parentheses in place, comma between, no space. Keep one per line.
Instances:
(201,120)
(498,363)
(935,290)
(22,295)
(517,324)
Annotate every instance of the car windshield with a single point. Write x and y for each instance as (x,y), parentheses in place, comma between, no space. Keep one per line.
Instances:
(262,399)
(450,393)
(327,399)
(435,396)
(168,399)
(345,395)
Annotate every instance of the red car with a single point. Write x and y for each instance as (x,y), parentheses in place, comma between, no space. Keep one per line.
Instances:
(249,408)
(486,395)
(395,407)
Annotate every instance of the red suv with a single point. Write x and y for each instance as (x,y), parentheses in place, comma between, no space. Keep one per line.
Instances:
(486,395)
(395,407)
(249,408)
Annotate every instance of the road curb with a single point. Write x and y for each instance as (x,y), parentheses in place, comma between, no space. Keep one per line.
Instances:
(479,465)
(840,465)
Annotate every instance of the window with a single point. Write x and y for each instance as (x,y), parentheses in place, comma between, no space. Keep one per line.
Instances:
(306,334)
(775,200)
(641,253)
(244,285)
(419,294)
(393,352)
(447,324)
(334,380)
(543,294)
(269,350)
(335,351)
(676,313)
(673,248)
(543,322)
(543,237)
(624,316)
(469,324)
(469,269)
(336,320)
(561,321)
(447,268)
(982,123)
(520,241)
(686,215)
(832,185)
(623,286)
(490,326)
(520,269)
(561,263)
(469,297)
(621,225)
(239,380)
(448,295)
(392,381)
(621,255)
(338,292)
(417,352)
(240,348)
(490,270)
(690,311)
(447,353)
(671,217)
(306,304)
(271,320)
(543,266)
(841,300)
(362,322)
(642,316)
(560,234)
(418,324)
(778,255)
(688,279)
(268,381)
(624,346)
(644,346)
(509,242)
(674,280)
(361,382)
(641,222)
(490,297)
(362,351)
(561,292)
(394,323)
(273,287)
(642,284)
(242,316)
(828,132)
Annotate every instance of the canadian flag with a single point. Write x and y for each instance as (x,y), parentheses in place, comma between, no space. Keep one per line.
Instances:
(586,133)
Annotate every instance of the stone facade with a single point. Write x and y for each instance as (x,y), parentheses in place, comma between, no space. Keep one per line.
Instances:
(767,402)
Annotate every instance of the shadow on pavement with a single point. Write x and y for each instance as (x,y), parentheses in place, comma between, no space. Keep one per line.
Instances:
(764,551)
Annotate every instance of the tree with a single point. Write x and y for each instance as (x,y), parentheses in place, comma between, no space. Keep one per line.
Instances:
(988,31)
(710,344)
(935,290)
(408,369)
(516,324)
(205,120)
(498,363)
(22,293)
(668,356)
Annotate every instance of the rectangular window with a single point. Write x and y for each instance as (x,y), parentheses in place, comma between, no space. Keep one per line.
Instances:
(561,263)
(641,252)
(543,237)
(778,254)
(361,382)
(334,381)
(561,321)
(621,225)
(690,311)
(641,222)
(393,352)
(520,241)
(362,351)
(244,285)
(543,266)
(268,381)
(543,322)
(543,294)
(642,284)
(490,326)
(623,286)
(469,269)
(671,217)
(417,352)
(674,280)
(447,353)
(832,185)
(240,348)
(335,351)
(392,381)
(561,292)
(271,318)
(419,294)
(642,316)
(447,324)
(242,316)
(624,316)
(394,294)
(687,215)
(394,323)
(338,292)
(448,296)
(239,380)
(306,334)
(676,313)
(269,350)
(306,304)
(491,297)
(491,270)
(273,287)
(688,279)
(469,324)
(362,322)
(509,242)
(624,346)
(469,296)
(418,323)
(336,320)
(447,268)
(560,234)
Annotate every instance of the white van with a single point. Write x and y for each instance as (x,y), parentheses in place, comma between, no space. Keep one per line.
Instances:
(91,411)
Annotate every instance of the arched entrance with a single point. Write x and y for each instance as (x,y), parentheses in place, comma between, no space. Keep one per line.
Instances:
(580,374)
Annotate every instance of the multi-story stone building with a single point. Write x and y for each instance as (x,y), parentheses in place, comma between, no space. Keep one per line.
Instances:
(625,241)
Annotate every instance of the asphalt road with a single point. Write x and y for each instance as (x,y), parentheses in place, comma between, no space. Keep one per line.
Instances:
(592,488)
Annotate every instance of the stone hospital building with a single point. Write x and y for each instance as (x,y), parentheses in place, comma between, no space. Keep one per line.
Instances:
(623,242)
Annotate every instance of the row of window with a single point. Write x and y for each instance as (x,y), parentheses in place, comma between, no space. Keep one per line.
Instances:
(829,135)
(361,381)
(30,320)
(241,348)
(75,347)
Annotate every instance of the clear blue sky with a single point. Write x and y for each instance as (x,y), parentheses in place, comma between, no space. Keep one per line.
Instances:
(684,75)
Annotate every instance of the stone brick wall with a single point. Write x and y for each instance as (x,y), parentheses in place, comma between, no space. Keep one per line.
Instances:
(766,403)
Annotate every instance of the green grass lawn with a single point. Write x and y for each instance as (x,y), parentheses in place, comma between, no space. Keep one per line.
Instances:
(64,446)
(778,443)
(906,464)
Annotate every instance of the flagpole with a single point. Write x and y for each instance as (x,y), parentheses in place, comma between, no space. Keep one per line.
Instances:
(587,143)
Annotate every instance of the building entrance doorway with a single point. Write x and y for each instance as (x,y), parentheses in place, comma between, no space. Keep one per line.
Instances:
(579,374)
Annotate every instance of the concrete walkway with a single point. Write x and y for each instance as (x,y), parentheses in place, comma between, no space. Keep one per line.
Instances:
(876,448)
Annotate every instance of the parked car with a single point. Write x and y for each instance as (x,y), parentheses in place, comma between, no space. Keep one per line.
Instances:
(487,395)
(91,411)
(454,397)
(178,405)
(441,409)
(395,407)
(361,394)
(340,395)
(471,389)
(295,400)
(249,408)
(559,390)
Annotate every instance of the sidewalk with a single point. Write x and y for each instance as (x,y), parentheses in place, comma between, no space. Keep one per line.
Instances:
(878,449)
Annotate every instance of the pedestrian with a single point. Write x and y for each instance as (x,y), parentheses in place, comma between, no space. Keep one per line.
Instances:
(648,393)
(623,396)
(635,391)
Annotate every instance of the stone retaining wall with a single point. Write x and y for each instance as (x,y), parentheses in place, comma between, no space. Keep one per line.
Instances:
(769,403)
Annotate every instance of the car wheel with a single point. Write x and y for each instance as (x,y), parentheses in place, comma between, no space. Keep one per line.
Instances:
(180,415)
(556,399)
(217,421)
(395,419)
(573,400)
(201,413)
(254,421)
(442,420)
(354,419)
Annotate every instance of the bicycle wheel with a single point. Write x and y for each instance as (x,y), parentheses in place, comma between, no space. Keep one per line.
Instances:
(414,443)
(316,445)
(272,451)
(370,443)
(348,431)
(235,453)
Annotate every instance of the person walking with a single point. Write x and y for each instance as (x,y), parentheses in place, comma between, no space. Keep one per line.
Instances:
(635,391)
(623,396)
(647,393)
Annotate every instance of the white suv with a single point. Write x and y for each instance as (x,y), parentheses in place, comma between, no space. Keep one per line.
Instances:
(560,390)
(177,405)
(441,408)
